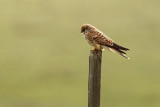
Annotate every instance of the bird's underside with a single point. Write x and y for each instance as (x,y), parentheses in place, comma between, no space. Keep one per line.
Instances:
(100,41)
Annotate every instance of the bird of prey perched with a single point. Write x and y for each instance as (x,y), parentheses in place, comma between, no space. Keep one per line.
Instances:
(100,41)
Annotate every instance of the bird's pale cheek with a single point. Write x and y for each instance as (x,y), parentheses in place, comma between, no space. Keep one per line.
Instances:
(82,33)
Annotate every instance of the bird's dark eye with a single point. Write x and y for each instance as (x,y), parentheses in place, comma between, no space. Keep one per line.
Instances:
(82,30)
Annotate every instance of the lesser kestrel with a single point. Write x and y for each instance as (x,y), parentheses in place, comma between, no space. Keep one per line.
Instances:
(100,41)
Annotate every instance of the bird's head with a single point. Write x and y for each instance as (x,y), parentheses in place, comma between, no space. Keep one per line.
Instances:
(84,28)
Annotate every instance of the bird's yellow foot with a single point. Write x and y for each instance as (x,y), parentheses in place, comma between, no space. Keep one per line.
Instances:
(95,49)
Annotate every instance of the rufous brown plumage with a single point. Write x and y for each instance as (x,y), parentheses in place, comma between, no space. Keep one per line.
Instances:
(100,41)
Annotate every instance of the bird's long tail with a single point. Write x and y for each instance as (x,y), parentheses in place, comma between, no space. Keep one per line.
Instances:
(117,48)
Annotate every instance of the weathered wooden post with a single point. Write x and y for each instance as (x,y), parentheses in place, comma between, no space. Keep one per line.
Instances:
(94,80)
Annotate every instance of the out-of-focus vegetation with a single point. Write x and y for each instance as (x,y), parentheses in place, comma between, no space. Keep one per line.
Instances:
(44,58)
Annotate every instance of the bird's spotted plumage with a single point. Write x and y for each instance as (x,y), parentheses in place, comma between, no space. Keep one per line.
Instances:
(100,41)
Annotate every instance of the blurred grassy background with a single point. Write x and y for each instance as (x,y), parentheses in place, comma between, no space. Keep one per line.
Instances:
(44,58)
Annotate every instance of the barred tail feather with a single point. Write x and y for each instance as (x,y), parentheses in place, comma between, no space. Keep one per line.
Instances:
(118,49)
(120,52)
(116,46)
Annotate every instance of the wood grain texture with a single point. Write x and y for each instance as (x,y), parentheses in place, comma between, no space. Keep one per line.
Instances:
(94,81)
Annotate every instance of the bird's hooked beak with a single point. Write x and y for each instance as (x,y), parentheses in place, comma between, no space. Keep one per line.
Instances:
(82,32)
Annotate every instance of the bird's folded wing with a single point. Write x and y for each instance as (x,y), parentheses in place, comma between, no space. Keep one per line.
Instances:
(103,40)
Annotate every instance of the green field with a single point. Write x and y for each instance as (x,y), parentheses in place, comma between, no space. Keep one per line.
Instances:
(44,58)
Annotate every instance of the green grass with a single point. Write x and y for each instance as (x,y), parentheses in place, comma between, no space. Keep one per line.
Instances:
(44,58)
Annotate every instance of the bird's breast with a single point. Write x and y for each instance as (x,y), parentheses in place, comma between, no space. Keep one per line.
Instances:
(93,43)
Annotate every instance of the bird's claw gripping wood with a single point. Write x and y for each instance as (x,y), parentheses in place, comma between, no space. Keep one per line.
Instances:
(95,49)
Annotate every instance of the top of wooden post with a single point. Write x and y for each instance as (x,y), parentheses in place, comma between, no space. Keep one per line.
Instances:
(94,53)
